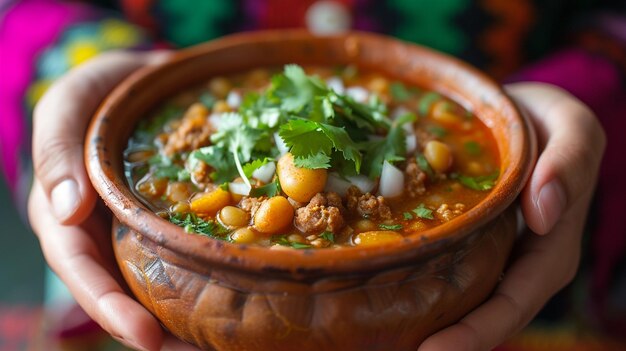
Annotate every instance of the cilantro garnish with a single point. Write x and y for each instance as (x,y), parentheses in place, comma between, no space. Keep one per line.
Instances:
(164,167)
(282,240)
(392,148)
(328,236)
(426,102)
(481,183)
(407,216)
(473,148)
(438,131)
(308,139)
(390,226)
(270,190)
(399,92)
(194,224)
(250,167)
(423,164)
(423,212)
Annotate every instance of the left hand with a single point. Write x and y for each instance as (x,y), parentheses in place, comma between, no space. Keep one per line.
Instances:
(555,203)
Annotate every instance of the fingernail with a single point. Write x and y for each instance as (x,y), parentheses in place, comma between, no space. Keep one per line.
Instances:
(129,343)
(551,204)
(65,198)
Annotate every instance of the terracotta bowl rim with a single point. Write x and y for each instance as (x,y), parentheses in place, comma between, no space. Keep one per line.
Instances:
(303,263)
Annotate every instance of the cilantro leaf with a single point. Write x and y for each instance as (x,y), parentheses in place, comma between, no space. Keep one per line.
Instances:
(328,236)
(250,167)
(270,190)
(438,131)
(407,216)
(391,148)
(472,148)
(390,226)
(219,159)
(426,102)
(481,183)
(423,212)
(313,161)
(318,138)
(399,92)
(423,164)
(282,240)
(194,224)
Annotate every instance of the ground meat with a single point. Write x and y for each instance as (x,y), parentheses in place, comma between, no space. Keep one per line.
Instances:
(367,205)
(193,131)
(414,179)
(200,175)
(423,137)
(322,213)
(251,204)
(446,212)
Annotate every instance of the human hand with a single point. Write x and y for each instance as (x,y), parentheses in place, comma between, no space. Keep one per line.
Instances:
(73,231)
(555,202)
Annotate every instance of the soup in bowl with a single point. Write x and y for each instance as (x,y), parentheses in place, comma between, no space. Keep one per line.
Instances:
(276,189)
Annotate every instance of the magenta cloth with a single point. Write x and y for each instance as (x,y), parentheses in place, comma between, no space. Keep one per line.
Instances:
(598,83)
(25,40)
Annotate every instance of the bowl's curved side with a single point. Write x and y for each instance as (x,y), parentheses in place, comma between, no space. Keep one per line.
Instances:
(395,309)
(113,124)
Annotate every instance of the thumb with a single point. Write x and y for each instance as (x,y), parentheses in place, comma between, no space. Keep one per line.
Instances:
(571,144)
(59,122)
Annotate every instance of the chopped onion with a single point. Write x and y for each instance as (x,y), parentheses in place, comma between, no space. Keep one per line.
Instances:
(265,173)
(411,143)
(214,120)
(233,99)
(336,84)
(364,183)
(359,94)
(391,181)
(239,188)
(280,144)
(337,184)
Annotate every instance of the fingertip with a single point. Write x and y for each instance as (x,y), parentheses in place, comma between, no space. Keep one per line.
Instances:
(71,201)
(543,206)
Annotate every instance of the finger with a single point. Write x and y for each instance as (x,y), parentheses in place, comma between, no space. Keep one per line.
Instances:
(571,144)
(59,122)
(527,286)
(75,256)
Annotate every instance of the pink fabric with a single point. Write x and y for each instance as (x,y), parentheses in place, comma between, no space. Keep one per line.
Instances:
(25,39)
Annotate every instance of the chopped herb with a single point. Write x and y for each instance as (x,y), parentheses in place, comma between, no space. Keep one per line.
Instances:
(282,240)
(426,102)
(423,164)
(473,148)
(392,148)
(390,226)
(208,100)
(399,92)
(423,212)
(328,236)
(407,216)
(224,170)
(194,224)
(481,183)
(438,131)
(270,190)
(250,167)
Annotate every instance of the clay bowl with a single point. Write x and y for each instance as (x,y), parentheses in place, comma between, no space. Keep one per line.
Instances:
(226,296)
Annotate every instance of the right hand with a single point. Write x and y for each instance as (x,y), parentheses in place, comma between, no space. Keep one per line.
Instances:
(73,232)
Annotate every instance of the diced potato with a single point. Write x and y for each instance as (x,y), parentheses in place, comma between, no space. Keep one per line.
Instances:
(273,215)
(377,237)
(300,184)
(210,202)
(438,155)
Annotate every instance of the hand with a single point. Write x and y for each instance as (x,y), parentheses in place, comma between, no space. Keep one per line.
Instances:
(554,202)
(75,233)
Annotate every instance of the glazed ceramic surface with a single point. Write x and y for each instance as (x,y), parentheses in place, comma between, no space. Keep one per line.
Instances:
(226,296)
